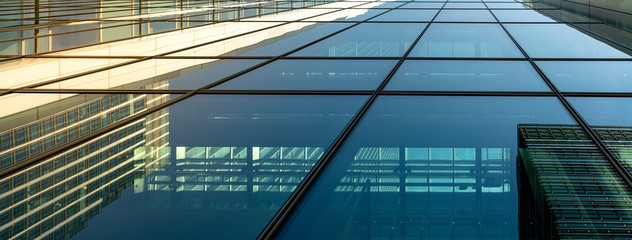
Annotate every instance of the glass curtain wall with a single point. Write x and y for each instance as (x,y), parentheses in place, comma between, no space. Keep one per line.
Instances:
(430,119)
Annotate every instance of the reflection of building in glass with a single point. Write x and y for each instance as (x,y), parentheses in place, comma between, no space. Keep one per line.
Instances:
(568,189)
(615,12)
(149,71)
(354,120)
(416,181)
(47,27)
(234,169)
(423,192)
(55,198)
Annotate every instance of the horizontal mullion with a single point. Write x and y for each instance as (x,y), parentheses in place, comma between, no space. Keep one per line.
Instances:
(315,92)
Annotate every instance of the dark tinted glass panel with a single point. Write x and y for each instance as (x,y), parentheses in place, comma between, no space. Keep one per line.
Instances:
(367,40)
(314,75)
(556,44)
(217,162)
(425,167)
(589,76)
(465,40)
(466,76)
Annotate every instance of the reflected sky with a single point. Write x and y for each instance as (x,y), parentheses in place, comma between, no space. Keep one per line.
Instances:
(454,75)
(465,16)
(210,73)
(604,111)
(314,75)
(465,5)
(404,15)
(589,76)
(410,169)
(465,40)
(556,44)
(512,5)
(367,40)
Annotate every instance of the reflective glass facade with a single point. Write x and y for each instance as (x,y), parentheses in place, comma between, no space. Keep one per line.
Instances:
(357,119)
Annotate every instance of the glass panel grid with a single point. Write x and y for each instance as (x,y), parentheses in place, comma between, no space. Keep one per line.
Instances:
(102,112)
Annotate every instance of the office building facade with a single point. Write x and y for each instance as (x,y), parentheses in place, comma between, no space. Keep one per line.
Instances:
(171,119)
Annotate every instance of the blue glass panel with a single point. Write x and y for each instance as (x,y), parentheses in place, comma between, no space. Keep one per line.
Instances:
(556,44)
(210,73)
(290,40)
(604,111)
(521,16)
(423,5)
(465,5)
(367,40)
(425,168)
(387,5)
(514,5)
(465,40)
(465,16)
(314,75)
(407,15)
(611,119)
(226,161)
(589,76)
(270,42)
(510,1)
(566,16)
(466,76)
(349,15)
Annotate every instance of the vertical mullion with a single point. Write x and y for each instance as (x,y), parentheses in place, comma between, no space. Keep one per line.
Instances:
(281,218)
